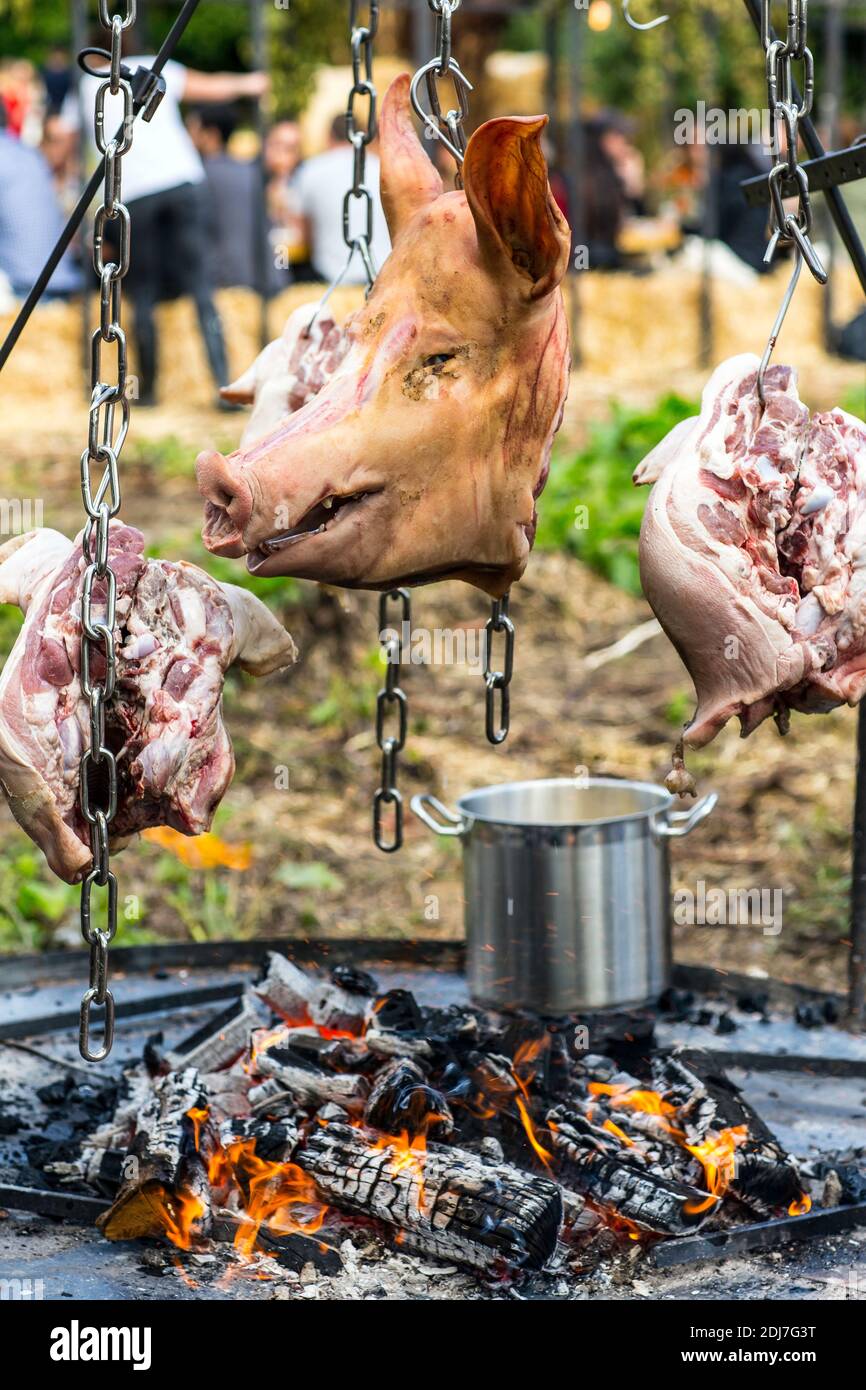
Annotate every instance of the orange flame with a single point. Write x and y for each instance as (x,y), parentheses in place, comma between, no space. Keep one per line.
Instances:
(524,1057)
(406,1154)
(279,1195)
(179,1213)
(717,1157)
(801,1205)
(716,1154)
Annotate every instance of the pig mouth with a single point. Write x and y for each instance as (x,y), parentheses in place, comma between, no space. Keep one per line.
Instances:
(322,519)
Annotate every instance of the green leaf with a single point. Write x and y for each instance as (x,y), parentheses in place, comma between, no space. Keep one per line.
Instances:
(317,876)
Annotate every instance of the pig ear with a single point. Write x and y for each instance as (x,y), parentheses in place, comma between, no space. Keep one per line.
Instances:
(242,391)
(409,179)
(516,217)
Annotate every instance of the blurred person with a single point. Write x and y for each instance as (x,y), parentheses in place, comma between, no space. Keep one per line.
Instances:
(742,228)
(60,149)
(234,194)
(57,78)
(287,231)
(21,98)
(321,184)
(615,134)
(602,199)
(163,186)
(31,219)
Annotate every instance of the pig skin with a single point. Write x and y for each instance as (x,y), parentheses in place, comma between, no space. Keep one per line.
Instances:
(753,551)
(412,445)
(177,633)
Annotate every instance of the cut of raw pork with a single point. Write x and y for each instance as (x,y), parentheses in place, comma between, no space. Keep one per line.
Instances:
(177,632)
(753,548)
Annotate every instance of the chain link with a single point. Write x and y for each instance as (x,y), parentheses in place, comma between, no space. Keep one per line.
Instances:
(390,696)
(446,126)
(107,429)
(789,228)
(361,39)
(499,621)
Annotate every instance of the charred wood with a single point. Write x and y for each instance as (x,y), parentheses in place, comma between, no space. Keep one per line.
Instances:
(301,998)
(592,1161)
(221,1040)
(293,1250)
(165,1174)
(401,1100)
(459,1208)
(291,1081)
(766,1178)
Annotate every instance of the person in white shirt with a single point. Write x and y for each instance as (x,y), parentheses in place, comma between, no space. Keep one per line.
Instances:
(320,185)
(163,186)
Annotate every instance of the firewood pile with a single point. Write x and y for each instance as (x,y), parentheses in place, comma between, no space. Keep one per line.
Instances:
(316,1107)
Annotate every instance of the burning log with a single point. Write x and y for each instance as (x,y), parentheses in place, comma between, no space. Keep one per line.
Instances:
(385,1043)
(593,1162)
(401,1099)
(447,1202)
(309,1047)
(764,1176)
(221,1040)
(165,1187)
(291,1081)
(292,1249)
(301,998)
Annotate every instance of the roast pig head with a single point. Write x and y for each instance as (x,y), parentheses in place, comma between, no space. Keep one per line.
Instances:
(423,452)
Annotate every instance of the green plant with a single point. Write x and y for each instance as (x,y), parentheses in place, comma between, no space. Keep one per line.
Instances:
(349,699)
(854,401)
(11,619)
(590,505)
(315,875)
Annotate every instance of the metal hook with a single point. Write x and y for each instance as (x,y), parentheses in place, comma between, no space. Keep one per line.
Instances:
(777,326)
(635,24)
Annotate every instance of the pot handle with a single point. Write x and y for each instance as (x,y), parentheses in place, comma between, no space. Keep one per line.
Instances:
(679,823)
(419,805)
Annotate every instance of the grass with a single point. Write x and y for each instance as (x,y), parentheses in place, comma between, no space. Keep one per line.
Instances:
(590,505)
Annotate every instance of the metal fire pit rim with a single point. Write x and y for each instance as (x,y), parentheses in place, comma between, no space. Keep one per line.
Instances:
(17,971)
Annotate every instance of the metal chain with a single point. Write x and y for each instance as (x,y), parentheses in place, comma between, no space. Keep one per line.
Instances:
(390,695)
(788,228)
(499,621)
(107,430)
(786,113)
(447,126)
(361,37)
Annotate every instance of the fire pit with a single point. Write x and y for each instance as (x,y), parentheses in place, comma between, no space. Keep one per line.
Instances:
(339,1126)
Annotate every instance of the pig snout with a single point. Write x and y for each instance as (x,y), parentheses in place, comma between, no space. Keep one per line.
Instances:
(228,503)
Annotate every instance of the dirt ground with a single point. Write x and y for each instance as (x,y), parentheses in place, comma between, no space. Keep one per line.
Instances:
(304,741)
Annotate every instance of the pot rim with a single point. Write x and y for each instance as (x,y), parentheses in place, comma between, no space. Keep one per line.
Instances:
(665,800)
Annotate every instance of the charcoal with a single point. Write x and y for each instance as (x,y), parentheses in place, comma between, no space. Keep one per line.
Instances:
(398,1012)
(56,1092)
(809,1015)
(677,1002)
(754,1002)
(355,981)
(401,1100)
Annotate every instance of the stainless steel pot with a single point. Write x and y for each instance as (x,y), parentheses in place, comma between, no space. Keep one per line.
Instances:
(567,890)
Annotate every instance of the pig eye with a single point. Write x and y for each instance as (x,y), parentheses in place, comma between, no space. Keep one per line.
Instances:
(438,359)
